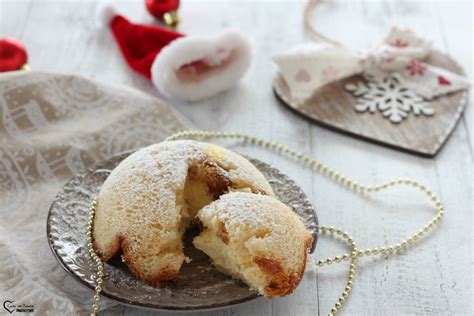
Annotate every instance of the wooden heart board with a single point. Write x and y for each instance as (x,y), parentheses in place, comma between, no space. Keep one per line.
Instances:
(334,107)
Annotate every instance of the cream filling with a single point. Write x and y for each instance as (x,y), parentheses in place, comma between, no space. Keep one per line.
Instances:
(194,197)
(232,259)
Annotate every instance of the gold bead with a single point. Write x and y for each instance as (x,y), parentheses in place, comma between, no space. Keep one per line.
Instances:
(341,299)
(348,288)
(338,305)
(350,283)
(345,294)
(333,310)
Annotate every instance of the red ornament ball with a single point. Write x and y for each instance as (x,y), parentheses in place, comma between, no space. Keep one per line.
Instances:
(13,54)
(158,8)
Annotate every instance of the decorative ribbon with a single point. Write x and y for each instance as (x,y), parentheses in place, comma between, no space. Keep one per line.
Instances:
(310,66)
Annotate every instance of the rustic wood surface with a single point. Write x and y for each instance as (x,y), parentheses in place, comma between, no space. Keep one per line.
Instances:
(433,278)
(332,106)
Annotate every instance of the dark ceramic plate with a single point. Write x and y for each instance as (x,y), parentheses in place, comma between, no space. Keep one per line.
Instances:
(201,287)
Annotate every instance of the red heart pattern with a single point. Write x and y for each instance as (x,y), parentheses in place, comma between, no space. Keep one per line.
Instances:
(443,81)
(302,76)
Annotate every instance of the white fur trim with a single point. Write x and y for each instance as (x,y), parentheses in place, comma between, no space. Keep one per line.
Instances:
(104,14)
(185,50)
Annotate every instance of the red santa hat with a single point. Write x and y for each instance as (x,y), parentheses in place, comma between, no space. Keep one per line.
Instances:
(187,68)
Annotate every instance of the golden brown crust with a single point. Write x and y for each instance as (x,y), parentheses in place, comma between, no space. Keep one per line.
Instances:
(109,252)
(213,175)
(223,233)
(106,254)
(267,265)
(281,282)
(158,280)
(162,278)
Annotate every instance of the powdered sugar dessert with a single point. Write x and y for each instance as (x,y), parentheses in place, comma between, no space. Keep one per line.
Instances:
(257,239)
(152,197)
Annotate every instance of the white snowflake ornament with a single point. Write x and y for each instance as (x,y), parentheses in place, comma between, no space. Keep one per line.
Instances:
(387,94)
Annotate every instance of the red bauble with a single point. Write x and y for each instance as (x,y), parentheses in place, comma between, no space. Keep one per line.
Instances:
(158,8)
(13,54)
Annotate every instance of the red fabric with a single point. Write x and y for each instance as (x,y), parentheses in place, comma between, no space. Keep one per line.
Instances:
(141,43)
(12,54)
(158,8)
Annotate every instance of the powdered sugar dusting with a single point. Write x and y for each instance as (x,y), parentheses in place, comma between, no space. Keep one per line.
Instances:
(264,224)
(141,200)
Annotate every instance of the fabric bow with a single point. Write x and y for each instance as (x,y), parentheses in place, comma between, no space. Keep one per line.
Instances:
(310,66)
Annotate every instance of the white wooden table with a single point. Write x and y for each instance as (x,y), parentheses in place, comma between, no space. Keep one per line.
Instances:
(434,277)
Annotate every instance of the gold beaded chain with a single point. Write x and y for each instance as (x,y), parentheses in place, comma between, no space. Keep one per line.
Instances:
(99,266)
(323,169)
